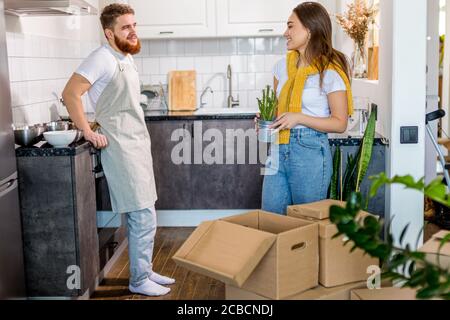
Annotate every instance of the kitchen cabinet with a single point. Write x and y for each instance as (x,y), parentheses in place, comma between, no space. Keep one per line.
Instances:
(171,19)
(234,180)
(174,18)
(203,184)
(173,181)
(257,17)
(197,184)
(253,17)
(58,209)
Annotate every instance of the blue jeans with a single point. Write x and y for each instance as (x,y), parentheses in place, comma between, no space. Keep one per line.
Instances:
(141,234)
(301,171)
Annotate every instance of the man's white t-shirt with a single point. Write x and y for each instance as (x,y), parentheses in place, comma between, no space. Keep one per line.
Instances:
(99,68)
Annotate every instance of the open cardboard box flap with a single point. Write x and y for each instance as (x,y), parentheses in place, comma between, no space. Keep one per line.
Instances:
(320,212)
(432,245)
(224,251)
(317,210)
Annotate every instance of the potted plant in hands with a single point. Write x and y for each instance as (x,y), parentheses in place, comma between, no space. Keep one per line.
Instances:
(267,107)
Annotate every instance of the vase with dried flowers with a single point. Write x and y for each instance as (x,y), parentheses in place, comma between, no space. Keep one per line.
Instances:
(355,23)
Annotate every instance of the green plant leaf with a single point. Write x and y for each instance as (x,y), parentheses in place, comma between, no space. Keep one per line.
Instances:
(402,235)
(427,292)
(377,182)
(334,185)
(366,149)
(268,104)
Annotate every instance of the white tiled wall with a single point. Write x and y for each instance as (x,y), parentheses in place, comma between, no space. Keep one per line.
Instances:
(39,68)
(251,59)
(41,65)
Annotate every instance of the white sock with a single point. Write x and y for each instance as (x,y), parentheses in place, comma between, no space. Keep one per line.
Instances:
(149,288)
(161,279)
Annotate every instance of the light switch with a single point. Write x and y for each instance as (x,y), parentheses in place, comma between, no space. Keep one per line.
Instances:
(409,135)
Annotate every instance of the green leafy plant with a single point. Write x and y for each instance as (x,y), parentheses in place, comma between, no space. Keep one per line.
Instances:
(398,264)
(268,104)
(356,167)
(334,186)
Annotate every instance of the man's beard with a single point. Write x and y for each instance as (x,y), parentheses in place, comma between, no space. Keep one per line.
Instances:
(126,47)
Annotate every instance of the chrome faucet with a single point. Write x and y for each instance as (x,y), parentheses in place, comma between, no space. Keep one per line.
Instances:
(203,93)
(230,101)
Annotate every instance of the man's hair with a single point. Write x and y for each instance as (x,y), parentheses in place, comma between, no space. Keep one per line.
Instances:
(111,12)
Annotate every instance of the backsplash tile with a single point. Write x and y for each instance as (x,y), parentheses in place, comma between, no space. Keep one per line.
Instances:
(210,47)
(40,66)
(251,61)
(246,46)
(192,47)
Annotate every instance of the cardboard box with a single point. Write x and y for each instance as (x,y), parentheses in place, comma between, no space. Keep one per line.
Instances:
(431,247)
(271,255)
(384,294)
(318,293)
(338,266)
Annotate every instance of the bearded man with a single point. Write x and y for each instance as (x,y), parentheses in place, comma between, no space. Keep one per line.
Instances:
(111,79)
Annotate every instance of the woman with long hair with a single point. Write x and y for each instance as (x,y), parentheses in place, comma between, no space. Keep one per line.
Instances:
(314,98)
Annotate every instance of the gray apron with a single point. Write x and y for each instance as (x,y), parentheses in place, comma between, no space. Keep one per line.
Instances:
(127,160)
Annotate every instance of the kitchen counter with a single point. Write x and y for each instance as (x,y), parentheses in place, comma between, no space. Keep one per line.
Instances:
(46,150)
(242,114)
(346,140)
(43,149)
(204,114)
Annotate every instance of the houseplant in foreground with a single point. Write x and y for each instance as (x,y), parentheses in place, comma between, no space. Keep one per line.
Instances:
(267,108)
(410,267)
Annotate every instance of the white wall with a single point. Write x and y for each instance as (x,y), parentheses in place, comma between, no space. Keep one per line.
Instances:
(400,95)
(252,60)
(43,52)
(408,109)
(378,92)
(432,84)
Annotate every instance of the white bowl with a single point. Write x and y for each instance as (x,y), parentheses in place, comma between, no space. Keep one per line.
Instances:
(60,139)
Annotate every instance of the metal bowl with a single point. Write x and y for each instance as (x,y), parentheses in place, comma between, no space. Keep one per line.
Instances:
(57,126)
(41,129)
(79,135)
(27,136)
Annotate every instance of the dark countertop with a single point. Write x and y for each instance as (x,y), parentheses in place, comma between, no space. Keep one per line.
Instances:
(46,150)
(345,140)
(192,115)
(164,115)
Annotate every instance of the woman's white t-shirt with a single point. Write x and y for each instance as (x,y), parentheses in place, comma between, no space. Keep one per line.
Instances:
(314,99)
(99,68)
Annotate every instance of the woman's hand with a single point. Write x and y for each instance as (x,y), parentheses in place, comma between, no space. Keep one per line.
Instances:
(287,120)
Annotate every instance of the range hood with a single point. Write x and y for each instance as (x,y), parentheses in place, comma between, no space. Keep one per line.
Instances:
(48,7)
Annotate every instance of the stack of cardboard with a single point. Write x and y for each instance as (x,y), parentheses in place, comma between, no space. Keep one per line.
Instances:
(260,255)
(317,293)
(268,254)
(338,266)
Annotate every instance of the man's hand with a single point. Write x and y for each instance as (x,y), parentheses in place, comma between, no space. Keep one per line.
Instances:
(287,120)
(98,140)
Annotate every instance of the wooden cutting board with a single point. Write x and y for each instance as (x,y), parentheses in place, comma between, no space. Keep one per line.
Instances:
(182,90)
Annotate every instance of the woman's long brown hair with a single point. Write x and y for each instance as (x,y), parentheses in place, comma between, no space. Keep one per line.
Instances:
(320,51)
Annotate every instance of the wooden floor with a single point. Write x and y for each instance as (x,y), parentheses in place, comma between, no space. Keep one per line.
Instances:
(188,286)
